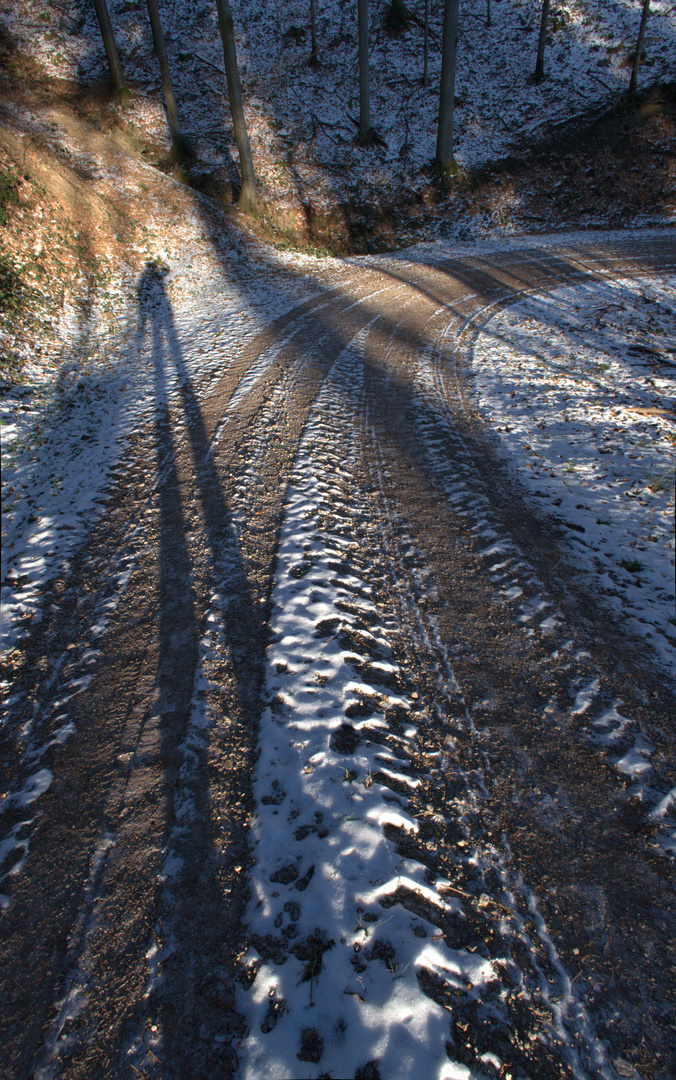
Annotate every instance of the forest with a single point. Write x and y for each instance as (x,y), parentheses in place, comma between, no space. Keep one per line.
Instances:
(363,121)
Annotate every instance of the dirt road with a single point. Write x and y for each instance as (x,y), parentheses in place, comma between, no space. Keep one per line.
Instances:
(339,462)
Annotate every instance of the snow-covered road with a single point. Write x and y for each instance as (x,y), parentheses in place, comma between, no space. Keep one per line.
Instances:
(330,749)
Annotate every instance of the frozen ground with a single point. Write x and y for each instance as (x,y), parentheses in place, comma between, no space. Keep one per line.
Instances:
(392,915)
(348,932)
(302,120)
(580,386)
(66,423)
(323,864)
(453,852)
(577,383)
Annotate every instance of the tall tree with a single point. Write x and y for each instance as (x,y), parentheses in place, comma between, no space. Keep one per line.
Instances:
(116,75)
(639,47)
(426,46)
(247,197)
(397,17)
(542,40)
(365,136)
(161,51)
(449,43)
(314,55)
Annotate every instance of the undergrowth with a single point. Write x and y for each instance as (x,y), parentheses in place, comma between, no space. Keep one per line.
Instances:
(9,194)
(11,292)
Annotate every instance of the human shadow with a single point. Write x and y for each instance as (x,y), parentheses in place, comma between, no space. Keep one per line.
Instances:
(178,630)
(198,906)
(192,903)
(190,999)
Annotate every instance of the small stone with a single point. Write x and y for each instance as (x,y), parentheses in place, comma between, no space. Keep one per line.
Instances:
(624,1068)
(285,875)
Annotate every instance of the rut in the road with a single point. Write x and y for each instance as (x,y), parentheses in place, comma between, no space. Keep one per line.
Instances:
(335,489)
(165,733)
(537,692)
(361,943)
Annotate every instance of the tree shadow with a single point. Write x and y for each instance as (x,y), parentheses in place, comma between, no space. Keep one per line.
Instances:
(392,397)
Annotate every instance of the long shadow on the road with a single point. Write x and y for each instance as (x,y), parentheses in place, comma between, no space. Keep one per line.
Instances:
(178,628)
(496,286)
(191,906)
(202,936)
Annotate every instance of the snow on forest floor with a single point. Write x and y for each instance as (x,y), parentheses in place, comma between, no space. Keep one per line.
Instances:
(302,120)
(580,384)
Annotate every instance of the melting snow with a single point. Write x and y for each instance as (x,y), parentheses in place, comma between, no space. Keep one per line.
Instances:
(579,385)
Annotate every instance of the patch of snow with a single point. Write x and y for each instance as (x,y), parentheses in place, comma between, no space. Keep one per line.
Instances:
(35,786)
(338,959)
(578,385)
(634,763)
(321,857)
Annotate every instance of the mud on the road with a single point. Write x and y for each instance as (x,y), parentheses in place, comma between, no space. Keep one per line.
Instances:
(128,947)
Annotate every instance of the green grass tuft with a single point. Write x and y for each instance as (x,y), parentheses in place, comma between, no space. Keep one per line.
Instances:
(9,194)
(633,566)
(11,289)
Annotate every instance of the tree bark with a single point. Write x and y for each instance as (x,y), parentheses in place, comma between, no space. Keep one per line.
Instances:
(540,62)
(161,51)
(488,14)
(247,198)
(313,31)
(445,158)
(426,47)
(116,74)
(639,47)
(365,135)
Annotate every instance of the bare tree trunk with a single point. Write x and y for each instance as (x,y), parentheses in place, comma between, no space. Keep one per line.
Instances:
(347,189)
(639,48)
(488,14)
(314,56)
(540,62)
(426,46)
(445,159)
(365,136)
(247,197)
(161,51)
(116,75)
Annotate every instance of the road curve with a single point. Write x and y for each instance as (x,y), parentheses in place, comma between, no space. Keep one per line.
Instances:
(127,943)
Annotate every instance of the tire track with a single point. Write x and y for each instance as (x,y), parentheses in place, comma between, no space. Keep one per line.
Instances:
(137,754)
(462,727)
(340,686)
(559,810)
